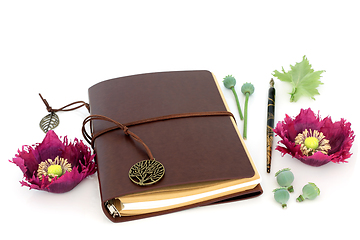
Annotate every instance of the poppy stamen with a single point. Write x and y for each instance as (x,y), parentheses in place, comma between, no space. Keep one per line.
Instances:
(311,142)
(52,169)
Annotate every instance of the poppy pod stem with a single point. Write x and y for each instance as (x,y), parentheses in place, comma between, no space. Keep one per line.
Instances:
(247,89)
(237,103)
(245,118)
(230,82)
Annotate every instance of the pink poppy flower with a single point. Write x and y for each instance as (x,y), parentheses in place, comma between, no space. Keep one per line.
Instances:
(54,165)
(315,141)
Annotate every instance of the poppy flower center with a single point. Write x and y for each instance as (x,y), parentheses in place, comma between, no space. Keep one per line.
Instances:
(311,142)
(53,168)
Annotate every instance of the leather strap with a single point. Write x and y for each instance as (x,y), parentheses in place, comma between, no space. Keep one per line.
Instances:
(91,139)
(50,109)
(118,126)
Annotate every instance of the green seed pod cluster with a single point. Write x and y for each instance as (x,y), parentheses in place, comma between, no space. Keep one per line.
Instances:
(285,178)
(310,191)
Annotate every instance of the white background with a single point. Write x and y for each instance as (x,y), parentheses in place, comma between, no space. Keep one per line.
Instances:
(61,48)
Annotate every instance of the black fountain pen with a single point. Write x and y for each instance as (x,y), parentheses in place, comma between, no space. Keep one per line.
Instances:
(270,124)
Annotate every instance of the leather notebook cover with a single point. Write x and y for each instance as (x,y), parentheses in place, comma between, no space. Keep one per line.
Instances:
(198,153)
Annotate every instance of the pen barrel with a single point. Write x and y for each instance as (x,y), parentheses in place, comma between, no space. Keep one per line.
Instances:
(270,126)
(271,108)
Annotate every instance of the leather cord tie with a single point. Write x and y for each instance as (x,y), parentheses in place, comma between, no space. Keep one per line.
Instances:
(51,110)
(118,126)
(91,139)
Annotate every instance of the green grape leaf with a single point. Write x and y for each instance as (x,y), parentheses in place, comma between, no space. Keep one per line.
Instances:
(303,79)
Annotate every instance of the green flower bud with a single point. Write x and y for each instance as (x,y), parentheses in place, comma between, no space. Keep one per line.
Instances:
(285,178)
(282,196)
(310,191)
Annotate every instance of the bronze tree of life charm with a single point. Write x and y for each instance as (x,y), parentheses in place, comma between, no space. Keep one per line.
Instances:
(146,172)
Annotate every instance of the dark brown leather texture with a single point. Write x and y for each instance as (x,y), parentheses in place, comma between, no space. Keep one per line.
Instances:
(197,149)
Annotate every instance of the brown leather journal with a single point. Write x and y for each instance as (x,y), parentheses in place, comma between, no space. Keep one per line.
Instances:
(182,117)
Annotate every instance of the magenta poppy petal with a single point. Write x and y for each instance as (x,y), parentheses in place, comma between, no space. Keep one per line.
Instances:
(20,163)
(50,148)
(88,168)
(339,134)
(72,152)
(307,120)
(30,165)
(316,160)
(290,132)
(35,183)
(31,186)
(76,151)
(66,182)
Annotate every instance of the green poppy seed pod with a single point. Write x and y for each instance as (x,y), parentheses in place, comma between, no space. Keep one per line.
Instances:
(311,142)
(247,88)
(285,178)
(282,196)
(310,191)
(229,81)
(55,170)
